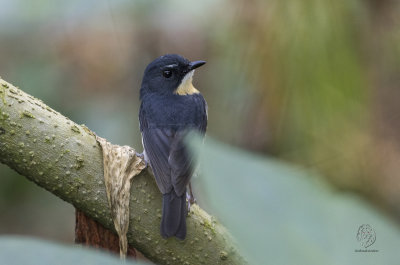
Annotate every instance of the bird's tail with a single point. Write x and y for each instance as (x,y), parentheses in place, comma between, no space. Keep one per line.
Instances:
(173,222)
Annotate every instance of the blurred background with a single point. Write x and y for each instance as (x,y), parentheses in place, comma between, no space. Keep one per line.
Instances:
(314,83)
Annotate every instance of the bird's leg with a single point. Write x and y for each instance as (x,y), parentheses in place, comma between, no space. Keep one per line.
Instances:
(190,197)
(143,157)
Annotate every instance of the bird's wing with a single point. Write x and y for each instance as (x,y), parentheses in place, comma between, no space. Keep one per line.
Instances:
(166,150)
(157,145)
(180,159)
(169,158)
(181,163)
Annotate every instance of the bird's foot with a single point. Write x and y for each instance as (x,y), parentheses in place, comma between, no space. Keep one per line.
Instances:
(191,200)
(142,156)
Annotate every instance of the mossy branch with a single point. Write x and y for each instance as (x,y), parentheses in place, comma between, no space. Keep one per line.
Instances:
(65,159)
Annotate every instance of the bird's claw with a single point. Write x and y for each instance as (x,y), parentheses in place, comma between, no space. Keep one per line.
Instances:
(141,155)
(191,200)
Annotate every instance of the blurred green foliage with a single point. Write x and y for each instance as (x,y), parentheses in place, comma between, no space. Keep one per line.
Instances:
(39,252)
(313,83)
(281,214)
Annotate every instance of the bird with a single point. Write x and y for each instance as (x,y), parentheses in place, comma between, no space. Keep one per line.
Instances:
(170,108)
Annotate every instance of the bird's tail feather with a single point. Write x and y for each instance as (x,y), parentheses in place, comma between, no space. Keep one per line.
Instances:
(173,222)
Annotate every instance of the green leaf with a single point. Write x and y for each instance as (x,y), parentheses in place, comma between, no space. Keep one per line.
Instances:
(15,250)
(281,214)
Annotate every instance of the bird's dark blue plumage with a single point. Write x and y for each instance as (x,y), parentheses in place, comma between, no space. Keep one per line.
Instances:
(170,108)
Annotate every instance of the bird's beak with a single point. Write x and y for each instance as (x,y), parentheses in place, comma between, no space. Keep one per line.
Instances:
(195,64)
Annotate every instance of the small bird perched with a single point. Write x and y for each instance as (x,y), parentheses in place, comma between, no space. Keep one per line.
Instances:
(170,107)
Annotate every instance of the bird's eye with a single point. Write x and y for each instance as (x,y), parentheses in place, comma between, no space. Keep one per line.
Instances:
(167,73)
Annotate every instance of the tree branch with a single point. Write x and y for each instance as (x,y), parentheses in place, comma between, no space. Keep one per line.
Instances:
(65,159)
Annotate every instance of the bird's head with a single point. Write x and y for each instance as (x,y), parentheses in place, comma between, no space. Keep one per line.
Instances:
(170,74)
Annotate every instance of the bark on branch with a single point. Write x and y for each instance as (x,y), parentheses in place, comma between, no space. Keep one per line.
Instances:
(65,159)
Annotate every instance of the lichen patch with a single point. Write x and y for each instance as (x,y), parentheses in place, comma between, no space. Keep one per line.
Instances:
(27,114)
